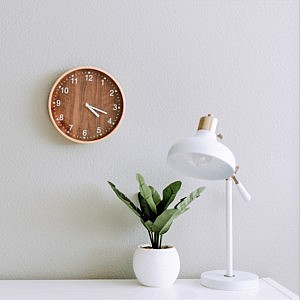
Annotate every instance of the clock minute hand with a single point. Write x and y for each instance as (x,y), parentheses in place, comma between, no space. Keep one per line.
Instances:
(97,109)
(91,110)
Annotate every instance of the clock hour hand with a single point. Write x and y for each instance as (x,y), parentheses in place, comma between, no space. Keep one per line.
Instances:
(91,110)
(97,109)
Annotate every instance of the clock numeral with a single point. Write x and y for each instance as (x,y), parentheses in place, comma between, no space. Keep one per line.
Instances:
(70,127)
(84,132)
(98,129)
(64,90)
(88,77)
(102,82)
(109,121)
(61,117)
(57,102)
(74,80)
(115,106)
(111,93)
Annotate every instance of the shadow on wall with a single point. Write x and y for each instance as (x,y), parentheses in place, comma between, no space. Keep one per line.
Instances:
(76,230)
(99,220)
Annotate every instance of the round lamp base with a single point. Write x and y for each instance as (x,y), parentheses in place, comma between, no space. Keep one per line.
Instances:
(241,280)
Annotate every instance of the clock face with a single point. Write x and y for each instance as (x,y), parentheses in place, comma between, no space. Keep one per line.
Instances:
(86,104)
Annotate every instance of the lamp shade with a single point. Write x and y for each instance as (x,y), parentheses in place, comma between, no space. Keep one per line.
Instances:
(202,156)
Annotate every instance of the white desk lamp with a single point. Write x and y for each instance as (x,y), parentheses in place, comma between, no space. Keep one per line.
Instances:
(203,156)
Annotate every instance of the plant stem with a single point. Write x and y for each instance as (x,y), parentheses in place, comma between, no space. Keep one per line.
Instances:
(155,244)
(150,236)
(160,240)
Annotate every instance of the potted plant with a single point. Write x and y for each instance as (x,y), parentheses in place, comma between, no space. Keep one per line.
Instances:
(156,264)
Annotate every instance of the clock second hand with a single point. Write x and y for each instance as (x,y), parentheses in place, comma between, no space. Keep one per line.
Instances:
(91,110)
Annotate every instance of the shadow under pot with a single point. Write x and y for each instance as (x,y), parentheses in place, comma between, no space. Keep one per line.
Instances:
(156,267)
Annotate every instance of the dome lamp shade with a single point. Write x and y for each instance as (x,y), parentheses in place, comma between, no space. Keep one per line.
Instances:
(203,156)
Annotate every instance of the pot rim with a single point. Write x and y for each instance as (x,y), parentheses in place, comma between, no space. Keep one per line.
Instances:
(142,247)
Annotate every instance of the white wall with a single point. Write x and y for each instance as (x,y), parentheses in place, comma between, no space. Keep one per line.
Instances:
(176,60)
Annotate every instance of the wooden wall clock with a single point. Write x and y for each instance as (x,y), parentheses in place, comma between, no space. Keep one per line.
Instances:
(86,104)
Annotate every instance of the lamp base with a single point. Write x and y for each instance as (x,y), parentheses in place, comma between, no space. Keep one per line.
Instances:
(241,281)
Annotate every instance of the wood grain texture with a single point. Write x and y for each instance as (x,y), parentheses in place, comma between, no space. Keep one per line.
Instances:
(86,104)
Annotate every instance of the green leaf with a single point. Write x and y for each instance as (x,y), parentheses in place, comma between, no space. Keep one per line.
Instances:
(184,202)
(127,201)
(147,212)
(169,194)
(155,195)
(183,211)
(164,221)
(146,192)
(148,224)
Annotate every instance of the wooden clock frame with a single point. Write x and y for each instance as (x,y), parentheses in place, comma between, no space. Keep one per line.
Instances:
(50,103)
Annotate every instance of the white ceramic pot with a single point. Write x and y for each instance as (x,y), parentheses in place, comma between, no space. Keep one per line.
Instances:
(156,267)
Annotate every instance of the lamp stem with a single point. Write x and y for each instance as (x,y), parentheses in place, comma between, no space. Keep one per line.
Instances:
(229,238)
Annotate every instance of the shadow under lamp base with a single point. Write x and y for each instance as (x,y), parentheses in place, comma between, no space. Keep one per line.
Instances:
(240,281)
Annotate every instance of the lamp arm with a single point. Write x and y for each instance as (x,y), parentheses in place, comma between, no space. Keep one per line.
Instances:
(243,192)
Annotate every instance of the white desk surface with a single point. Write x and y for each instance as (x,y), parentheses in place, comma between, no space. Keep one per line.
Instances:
(130,289)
